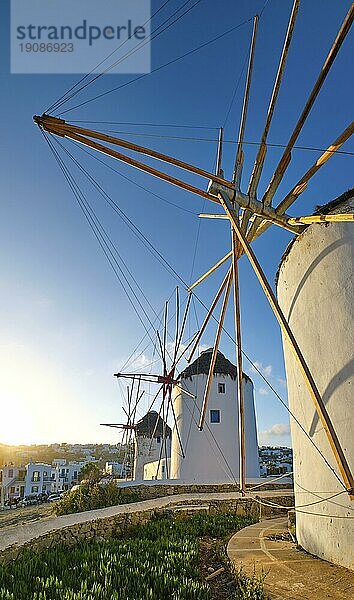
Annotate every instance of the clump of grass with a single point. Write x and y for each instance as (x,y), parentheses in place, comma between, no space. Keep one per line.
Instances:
(249,588)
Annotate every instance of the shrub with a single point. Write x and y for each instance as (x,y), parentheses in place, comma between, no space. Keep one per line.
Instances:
(90,497)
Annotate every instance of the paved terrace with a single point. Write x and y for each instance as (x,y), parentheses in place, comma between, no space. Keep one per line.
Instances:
(291,573)
(21,534)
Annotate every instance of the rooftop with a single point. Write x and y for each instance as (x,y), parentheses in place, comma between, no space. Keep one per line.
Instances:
(146,425)
(222,366)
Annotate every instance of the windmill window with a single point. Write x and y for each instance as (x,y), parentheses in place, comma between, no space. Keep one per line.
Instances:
(221,388)
(215,416)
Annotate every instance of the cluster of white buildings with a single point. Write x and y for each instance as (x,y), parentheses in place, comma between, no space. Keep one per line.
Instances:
(36,479)
(275,460)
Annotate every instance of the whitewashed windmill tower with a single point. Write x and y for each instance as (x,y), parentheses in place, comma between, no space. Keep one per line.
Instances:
(316,291)
(151,433)
(211,454)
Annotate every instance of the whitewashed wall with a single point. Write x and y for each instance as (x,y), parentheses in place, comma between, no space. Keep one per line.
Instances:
(212,455)
(316,292)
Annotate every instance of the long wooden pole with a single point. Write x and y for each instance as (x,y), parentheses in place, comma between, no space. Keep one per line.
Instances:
(207,317)
(240,394)
(53,125)
(210,271)
(311,385)
(215,353)
(286,157)
(137,164)
(259,226)
(259,162)
(243,200)
(236,179)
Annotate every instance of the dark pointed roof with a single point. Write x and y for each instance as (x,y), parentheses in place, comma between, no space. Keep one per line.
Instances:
(146,426)
(201,366)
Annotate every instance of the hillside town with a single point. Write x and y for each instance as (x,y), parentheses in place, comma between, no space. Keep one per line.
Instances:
(28,483)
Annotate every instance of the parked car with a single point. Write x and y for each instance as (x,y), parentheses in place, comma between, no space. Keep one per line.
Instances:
(54,497)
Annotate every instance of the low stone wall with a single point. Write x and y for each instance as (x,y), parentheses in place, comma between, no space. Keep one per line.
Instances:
(116,521)
(156,489)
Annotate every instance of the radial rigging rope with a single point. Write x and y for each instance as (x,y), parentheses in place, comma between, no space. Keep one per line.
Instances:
(214,140)
(104,246)
(137,48)
(174,60)
(102,61)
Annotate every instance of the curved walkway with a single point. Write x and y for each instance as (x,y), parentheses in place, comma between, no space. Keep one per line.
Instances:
(21,534)
(291,573)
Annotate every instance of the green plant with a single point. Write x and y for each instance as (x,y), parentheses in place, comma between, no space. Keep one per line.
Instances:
(90,497)
(156,561)
(249,588)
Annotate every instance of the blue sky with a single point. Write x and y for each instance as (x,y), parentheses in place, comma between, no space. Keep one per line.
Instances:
(66,325)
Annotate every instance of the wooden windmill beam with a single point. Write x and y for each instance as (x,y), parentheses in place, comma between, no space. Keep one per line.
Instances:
(207,317)
(211,270)
(236,179)
(242,199)
(59,126)
(325,419)
(240,394)
(337,218)
(286,157)
(258,227)
(259,162)
(214,353)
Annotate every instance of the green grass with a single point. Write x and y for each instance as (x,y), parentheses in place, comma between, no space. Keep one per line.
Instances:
(156,561)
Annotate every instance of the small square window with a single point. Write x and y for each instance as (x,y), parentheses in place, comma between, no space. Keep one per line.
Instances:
(215,416)
(221,388)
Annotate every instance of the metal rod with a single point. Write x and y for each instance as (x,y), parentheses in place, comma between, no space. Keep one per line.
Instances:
(210,312)
(286,157)
(214,353)
(236,179)
(311,385)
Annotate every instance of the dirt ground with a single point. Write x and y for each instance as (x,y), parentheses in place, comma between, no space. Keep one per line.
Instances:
(16,516)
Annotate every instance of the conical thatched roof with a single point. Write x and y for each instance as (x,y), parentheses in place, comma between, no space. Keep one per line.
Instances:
(146,426)
(201,366)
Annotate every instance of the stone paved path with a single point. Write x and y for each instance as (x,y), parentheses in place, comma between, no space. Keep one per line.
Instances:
(292,574)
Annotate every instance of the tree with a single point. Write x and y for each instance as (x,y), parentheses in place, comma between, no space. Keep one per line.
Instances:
(90,473)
